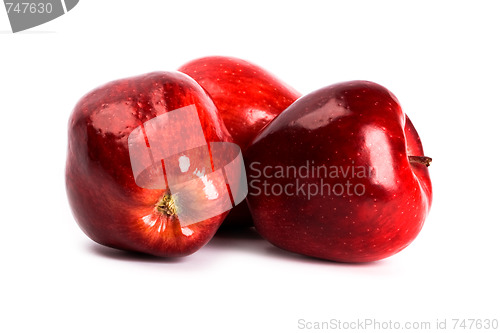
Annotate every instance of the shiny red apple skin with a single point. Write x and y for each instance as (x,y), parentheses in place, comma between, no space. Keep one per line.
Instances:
(106,201)
(248,97)
(356,123)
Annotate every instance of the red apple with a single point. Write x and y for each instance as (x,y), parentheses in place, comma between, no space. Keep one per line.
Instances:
(248,98)
(340,175)
(141,170)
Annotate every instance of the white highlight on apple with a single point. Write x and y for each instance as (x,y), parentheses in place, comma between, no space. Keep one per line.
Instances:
(186,231)
(376,139)
(152,221)
(184,163)
(209,187)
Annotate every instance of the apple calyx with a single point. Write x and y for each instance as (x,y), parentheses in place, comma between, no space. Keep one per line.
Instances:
(424,160)
(166,205)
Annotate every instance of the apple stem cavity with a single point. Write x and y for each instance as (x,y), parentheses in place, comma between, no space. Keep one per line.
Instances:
(166,205)
(424,160)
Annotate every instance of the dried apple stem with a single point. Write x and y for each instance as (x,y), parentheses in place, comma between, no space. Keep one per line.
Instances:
(424,160)
(166,205)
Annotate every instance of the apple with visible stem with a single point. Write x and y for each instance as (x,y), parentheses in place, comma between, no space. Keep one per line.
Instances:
(340,175)
(140,172)
(248,97)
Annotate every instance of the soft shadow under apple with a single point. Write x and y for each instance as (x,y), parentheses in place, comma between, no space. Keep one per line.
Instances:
(115,254)
(248,240)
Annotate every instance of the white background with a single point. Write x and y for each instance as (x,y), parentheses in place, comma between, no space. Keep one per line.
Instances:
(441,59)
